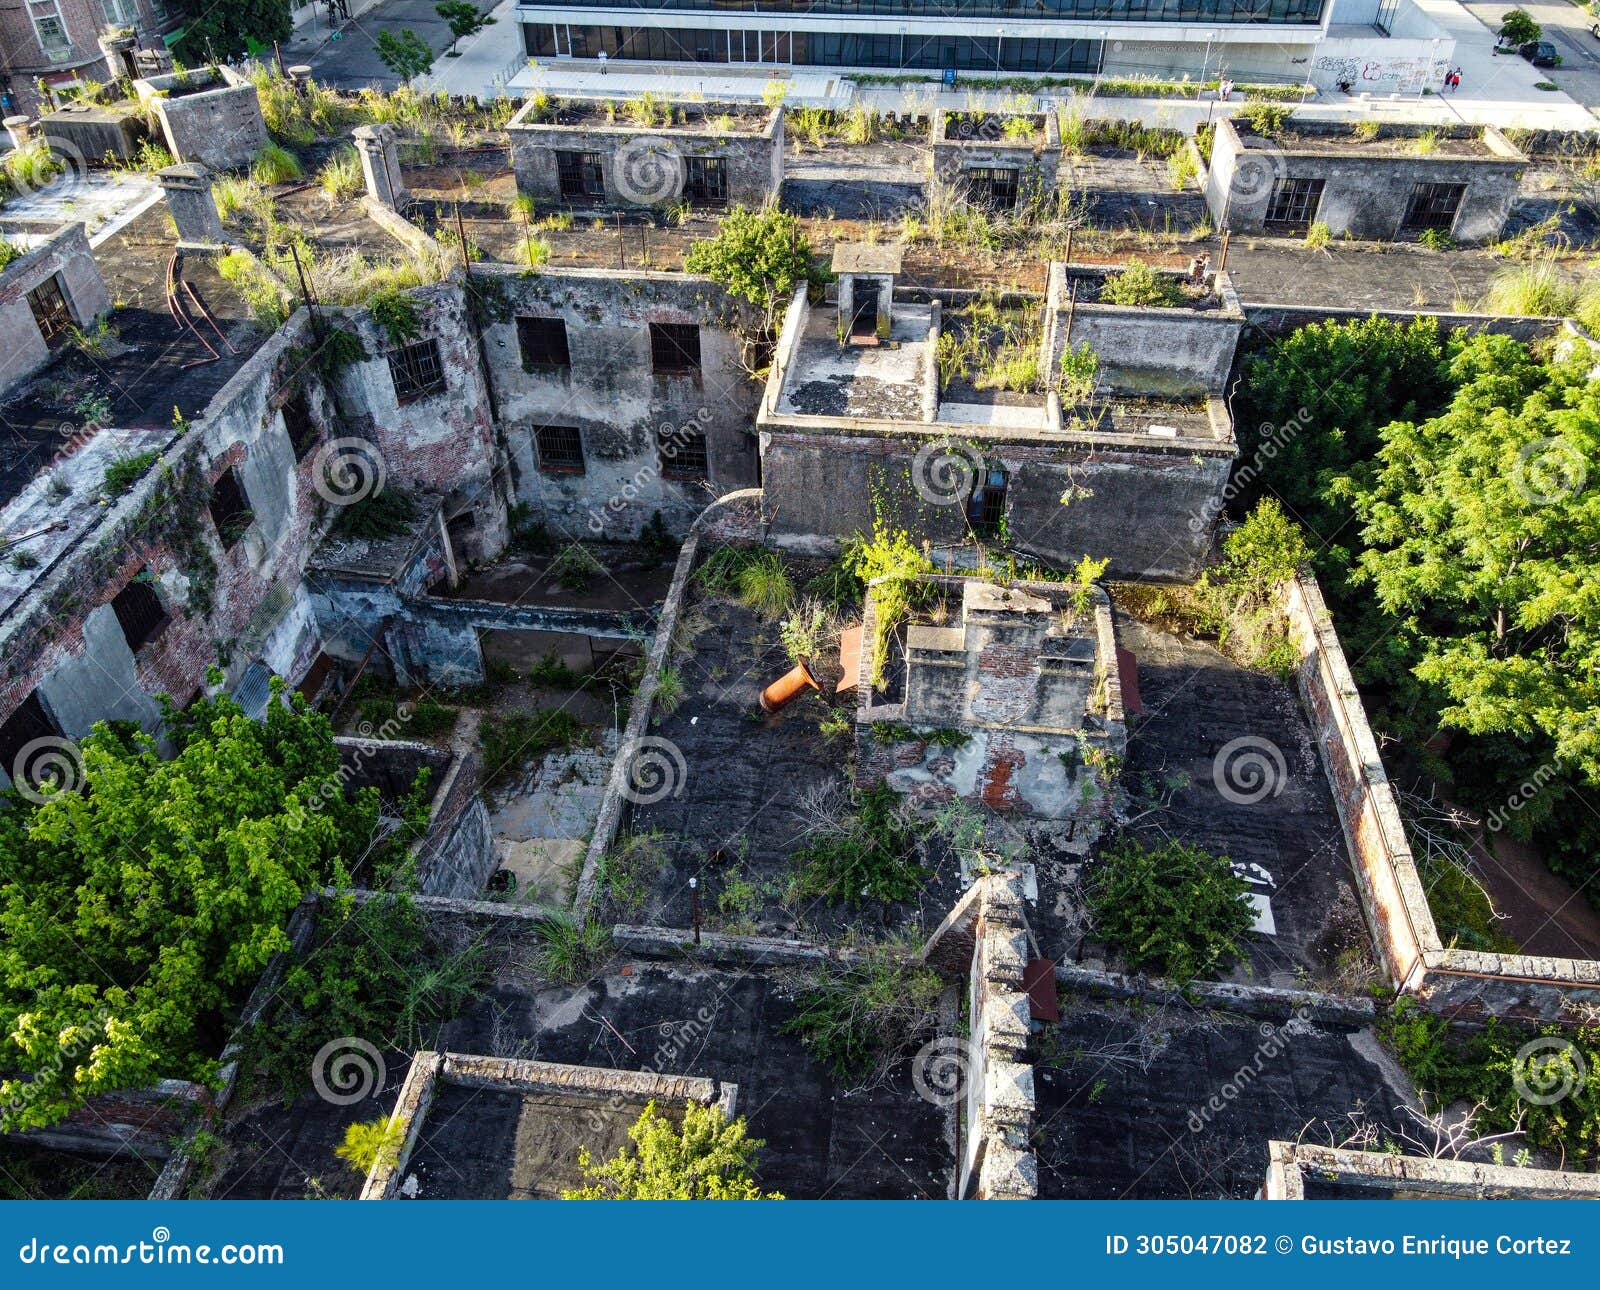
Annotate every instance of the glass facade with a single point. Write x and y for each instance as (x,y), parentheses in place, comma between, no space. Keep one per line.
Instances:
(814,49)
(1207,11)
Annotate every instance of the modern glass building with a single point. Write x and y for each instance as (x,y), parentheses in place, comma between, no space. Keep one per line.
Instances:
(993,37)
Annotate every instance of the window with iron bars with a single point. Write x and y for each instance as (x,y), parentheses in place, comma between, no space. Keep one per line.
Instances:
(416,371)
(995,187)
(543,342)
(682,453)
(1433,206)
(1294,203)
(706,181)
(581,174)
(560,450)
(674,348)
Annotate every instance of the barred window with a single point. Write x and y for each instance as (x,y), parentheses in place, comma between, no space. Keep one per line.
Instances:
(706,183)
(682,453)
(674,348)
(560,450)
(543,342)
(995,187)
(416,370)
(1433,206)
(581,174)
(1294,203)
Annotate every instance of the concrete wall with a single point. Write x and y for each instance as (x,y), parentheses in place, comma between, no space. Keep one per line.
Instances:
(645,167)
(1176,352)
(1460,984)
(1366,188)
(22,348)
(221,128)
(618,406)
(1131,497)
(967,144)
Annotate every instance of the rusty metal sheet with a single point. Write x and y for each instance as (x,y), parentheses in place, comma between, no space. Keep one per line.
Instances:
(1039,979)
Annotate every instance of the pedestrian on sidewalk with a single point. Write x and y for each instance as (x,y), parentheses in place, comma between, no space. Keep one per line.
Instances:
(1225,89)
(602,57)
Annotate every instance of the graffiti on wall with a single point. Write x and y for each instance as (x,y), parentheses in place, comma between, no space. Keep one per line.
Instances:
(1387,75)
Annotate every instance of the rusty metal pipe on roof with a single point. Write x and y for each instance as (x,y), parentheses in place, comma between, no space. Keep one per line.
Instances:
(787,687)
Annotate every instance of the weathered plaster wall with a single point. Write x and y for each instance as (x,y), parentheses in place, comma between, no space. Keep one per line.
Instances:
(618,406)
(22,347)
(1130,504)
(221,128)
(1167,352)
(645,167)
(1366,189)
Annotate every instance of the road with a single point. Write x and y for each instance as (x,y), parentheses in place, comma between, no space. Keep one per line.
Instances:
(350,59)
(1566,26)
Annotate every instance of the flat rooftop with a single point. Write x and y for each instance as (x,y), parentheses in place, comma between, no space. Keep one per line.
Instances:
(882,382)
(634,116)
(1389,142)
(1123,1096)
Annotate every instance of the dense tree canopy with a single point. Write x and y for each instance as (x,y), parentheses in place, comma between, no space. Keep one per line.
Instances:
(215,33)
(1483,537)
(704,1158)
(1451,486)
(137,913)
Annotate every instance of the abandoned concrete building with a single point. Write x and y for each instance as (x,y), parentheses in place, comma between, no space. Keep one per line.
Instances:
(1400,183)
(707,154)
(532,466)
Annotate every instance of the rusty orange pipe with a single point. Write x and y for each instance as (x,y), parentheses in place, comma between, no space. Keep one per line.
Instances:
(786,687)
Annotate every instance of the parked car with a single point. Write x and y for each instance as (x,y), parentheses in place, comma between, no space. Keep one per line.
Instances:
(1541,53)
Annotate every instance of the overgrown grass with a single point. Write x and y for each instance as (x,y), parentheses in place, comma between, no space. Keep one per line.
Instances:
(859,1020)
(868,851)
(571,946)
(275,164)
(340,178)
(510,740)
(1542,289)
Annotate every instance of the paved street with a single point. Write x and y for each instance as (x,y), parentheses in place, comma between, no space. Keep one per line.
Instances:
(1566,26)
(349,60)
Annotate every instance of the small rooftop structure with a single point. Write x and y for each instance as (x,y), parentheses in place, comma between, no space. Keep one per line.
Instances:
(1025,684)
(1306,1171)
(868,257)
(1400,183)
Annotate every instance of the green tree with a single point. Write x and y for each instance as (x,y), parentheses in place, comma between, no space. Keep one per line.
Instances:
(463,19)
(760,256)
(704,1158)
(137,913)
(1517,28)
(220,33)
(1175,910)
(371,1142)
(1482,528)
(1314,403)
(406,55)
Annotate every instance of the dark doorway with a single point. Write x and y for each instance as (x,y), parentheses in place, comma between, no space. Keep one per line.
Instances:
(864,322)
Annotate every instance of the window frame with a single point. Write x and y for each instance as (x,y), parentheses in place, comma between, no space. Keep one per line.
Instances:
(580,174)
(559,450)
(140,626)
(551,328)
(695,188)
(689,462)
(61,53)
(1306,199)
(1424,194)
(409,371)
(227,490)
(53,323)
(669,355)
